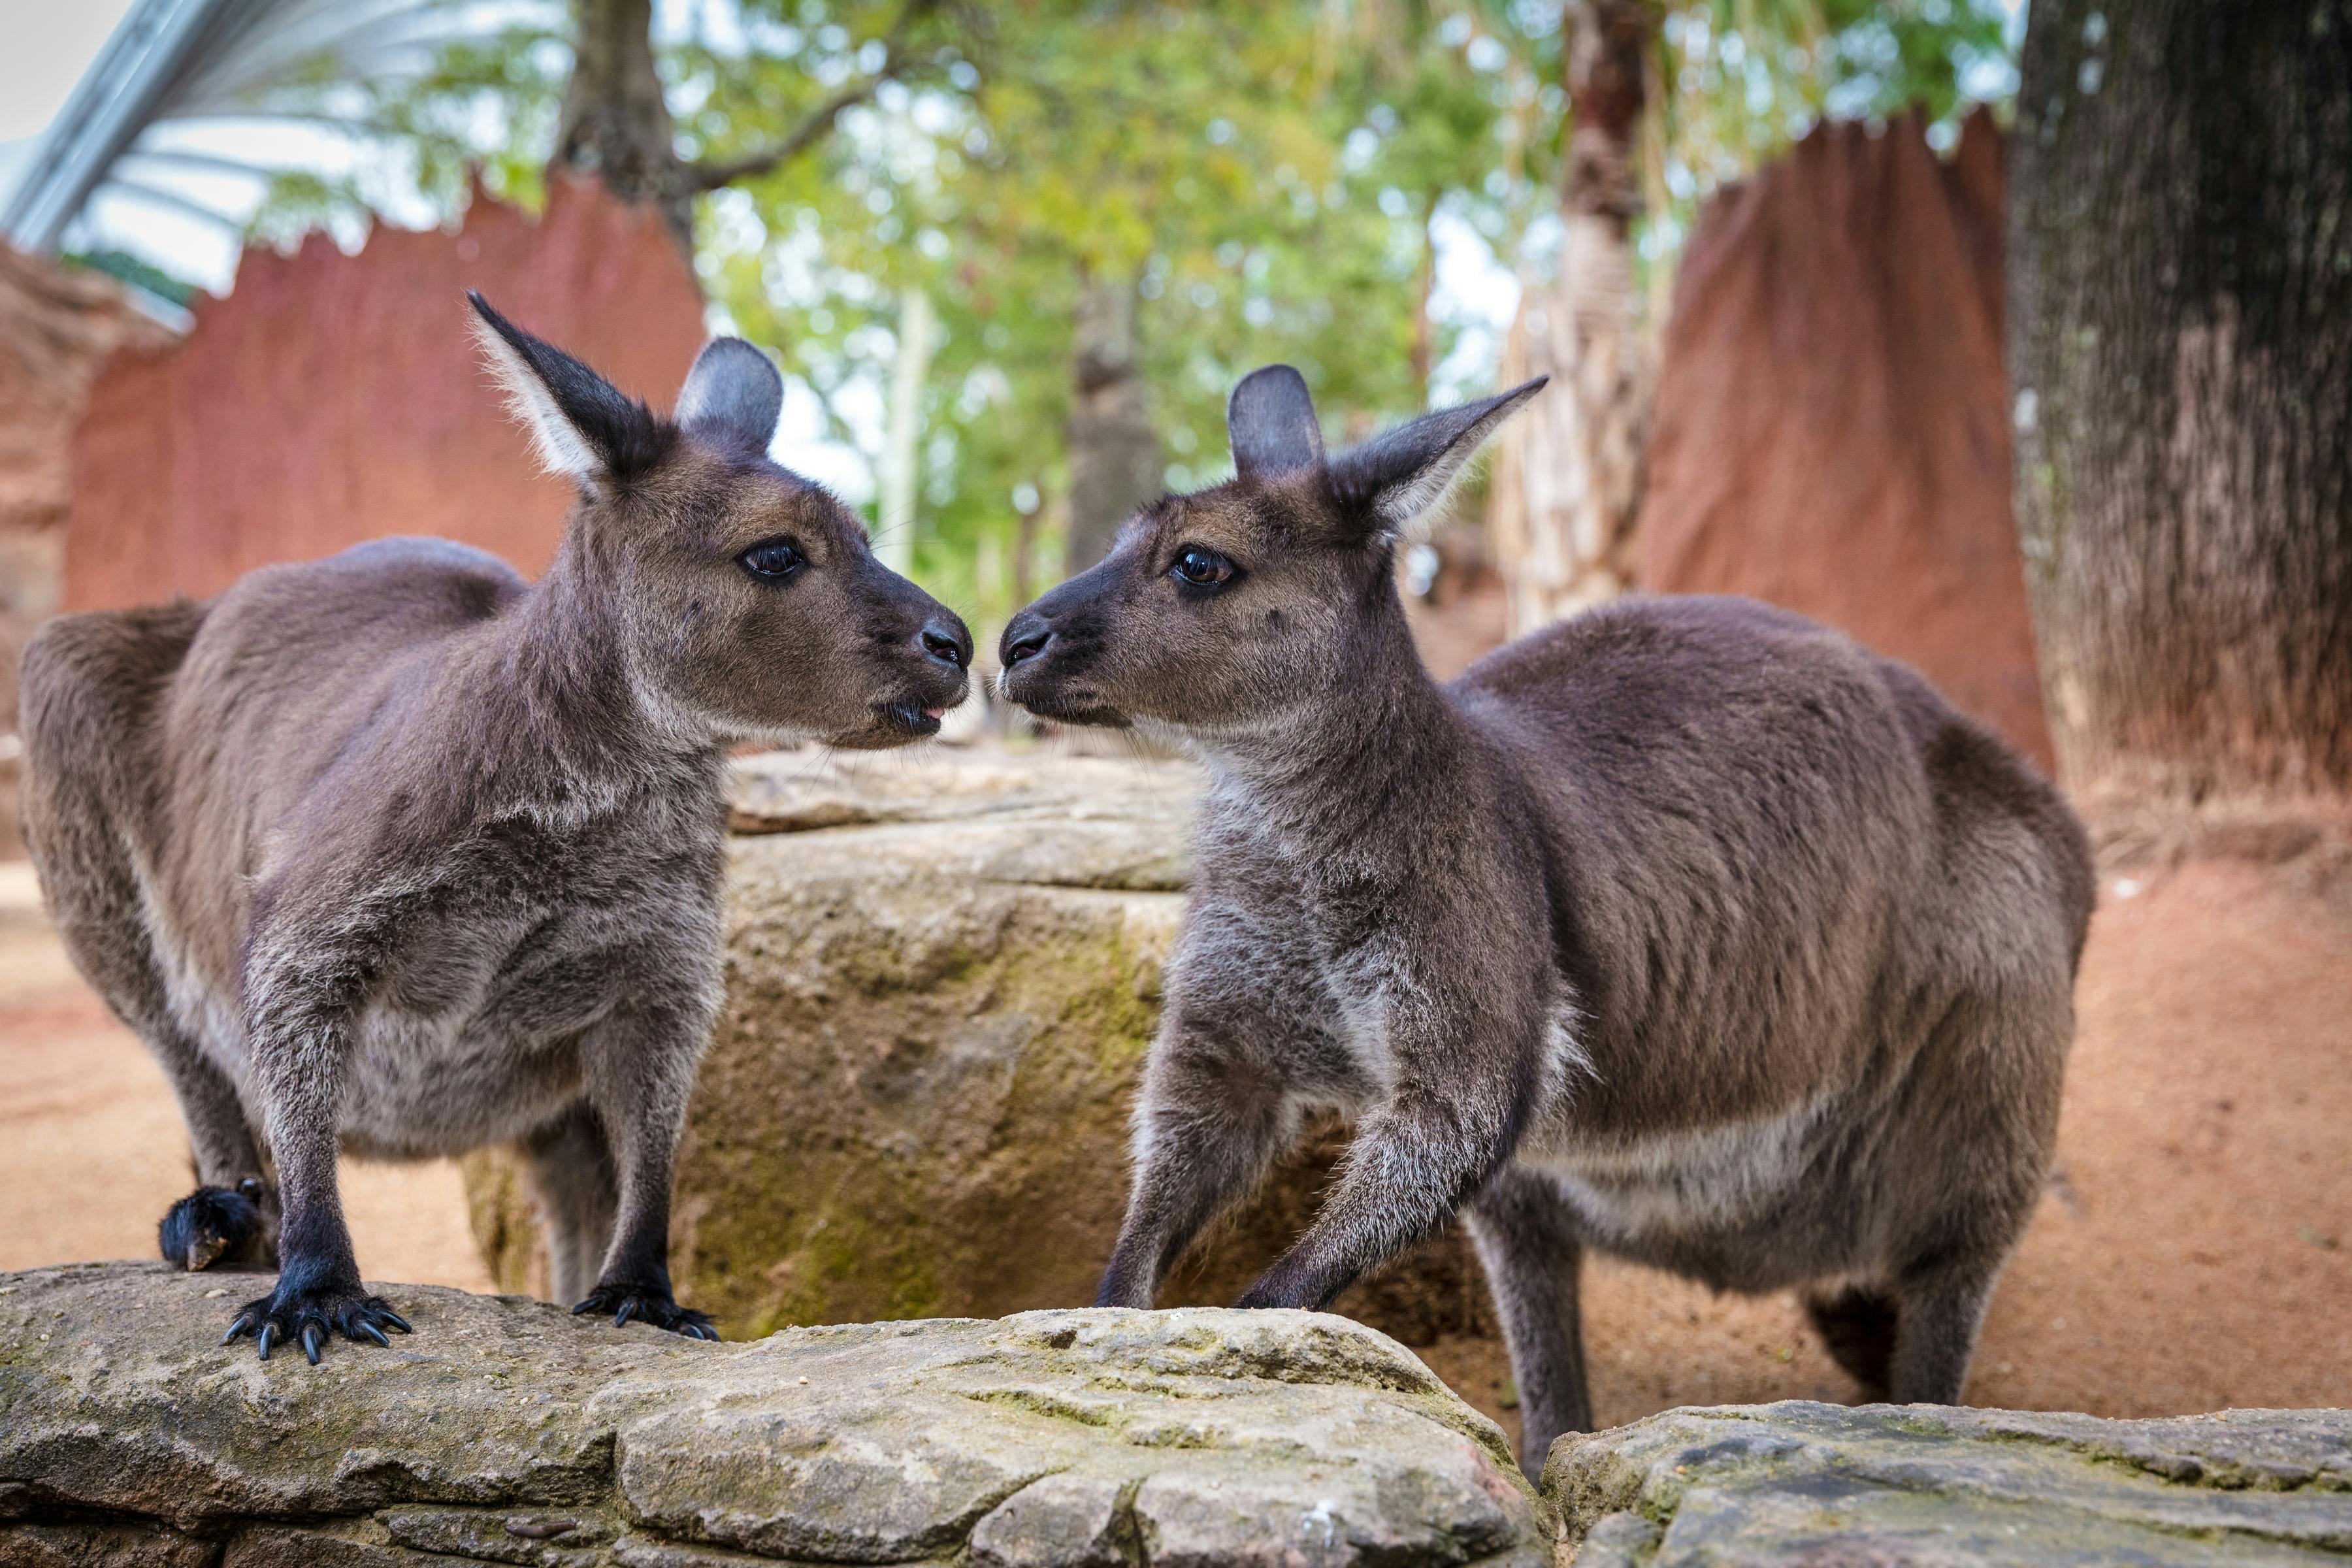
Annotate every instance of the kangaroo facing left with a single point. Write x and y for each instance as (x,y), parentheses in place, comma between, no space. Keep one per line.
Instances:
(399,854)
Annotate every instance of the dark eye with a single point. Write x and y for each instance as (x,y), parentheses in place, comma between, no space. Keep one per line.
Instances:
(772,560)
(1201,568)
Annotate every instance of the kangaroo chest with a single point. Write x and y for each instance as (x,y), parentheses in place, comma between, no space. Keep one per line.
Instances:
(488,982)
(1717,1198)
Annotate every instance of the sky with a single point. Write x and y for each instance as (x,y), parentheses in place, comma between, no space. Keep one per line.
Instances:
(49,43)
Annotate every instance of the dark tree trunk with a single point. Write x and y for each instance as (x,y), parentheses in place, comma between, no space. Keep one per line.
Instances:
(1115,464)
(2181,342)
(614,122)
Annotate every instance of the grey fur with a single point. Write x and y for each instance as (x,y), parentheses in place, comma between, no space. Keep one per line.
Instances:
(396,853)
(1688,930)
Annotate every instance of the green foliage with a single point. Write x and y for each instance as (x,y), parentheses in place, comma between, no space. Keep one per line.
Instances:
(1266,174)
(128,268)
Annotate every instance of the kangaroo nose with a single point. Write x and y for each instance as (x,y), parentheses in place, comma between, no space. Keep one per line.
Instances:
(1025,638)
(947,641)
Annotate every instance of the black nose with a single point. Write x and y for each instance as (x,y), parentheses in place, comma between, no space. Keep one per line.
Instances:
(1025,638)
(946,640)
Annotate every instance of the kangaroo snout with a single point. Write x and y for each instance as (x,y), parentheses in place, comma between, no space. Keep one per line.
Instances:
(946,639)
(1024,639)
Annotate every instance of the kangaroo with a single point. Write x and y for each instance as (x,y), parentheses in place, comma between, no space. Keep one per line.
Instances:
(1686,931)
(399,853)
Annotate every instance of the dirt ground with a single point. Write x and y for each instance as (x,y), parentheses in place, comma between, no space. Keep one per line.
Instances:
(2194,1252)
(92,1143)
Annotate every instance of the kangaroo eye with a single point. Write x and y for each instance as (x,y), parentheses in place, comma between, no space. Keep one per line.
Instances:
(1201,568)
(772,560)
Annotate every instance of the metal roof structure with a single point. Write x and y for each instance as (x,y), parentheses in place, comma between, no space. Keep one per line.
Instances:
(177,61)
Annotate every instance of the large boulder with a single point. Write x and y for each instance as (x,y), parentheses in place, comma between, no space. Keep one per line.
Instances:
(507,1431)
(1801,1483)
(942,976)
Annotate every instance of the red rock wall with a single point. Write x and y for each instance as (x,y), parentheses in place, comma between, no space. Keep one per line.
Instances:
(58,326)
(1833,419)
(333,398)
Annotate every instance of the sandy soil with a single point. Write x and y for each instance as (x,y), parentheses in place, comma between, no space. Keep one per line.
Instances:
(91,1143)
(2195,1251)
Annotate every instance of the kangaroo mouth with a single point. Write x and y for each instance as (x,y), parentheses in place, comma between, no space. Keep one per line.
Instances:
(1074,708)
(909,718)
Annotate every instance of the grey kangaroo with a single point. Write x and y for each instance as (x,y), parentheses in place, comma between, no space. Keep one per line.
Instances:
(1686,931)
(396,852)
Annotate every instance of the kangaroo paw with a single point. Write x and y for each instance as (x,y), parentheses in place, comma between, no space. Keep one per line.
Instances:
(630,1304)
(212,1224)
(310,1316)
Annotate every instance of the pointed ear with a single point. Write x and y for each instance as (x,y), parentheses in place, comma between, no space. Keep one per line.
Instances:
(732,397)
(581,424)
(1270,420)
(1403,473)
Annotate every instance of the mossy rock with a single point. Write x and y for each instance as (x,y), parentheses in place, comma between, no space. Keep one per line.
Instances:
(942,978)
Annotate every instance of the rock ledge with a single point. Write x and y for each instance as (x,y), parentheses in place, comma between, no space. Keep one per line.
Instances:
(507,1431)
(1799,1483)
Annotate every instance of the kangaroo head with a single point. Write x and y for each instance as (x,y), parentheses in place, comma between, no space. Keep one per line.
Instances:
(1226,610)
(745,599)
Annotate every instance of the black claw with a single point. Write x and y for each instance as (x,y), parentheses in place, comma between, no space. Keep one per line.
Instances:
(654,1307)
(312,1317)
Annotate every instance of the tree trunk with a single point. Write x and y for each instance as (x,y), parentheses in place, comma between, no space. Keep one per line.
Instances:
(1568,478)
(1115,463)
(901,467)
(614,122)
(2181,342)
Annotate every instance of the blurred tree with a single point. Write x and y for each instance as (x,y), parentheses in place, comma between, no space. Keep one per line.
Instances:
(1093,198)
(1098,198)
(2180,330)
(1568,479)
(616,120)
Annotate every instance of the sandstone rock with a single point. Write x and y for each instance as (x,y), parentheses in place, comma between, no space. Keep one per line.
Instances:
(943,971)
(1804,1483)
(507,1431)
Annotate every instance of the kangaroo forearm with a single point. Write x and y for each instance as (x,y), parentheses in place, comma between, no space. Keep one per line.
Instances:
(1405,1177)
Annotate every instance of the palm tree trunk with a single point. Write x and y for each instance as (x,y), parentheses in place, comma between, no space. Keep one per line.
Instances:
(1568,479)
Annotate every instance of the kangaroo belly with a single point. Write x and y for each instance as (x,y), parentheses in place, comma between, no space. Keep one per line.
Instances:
(419,1087)
(1739,1204)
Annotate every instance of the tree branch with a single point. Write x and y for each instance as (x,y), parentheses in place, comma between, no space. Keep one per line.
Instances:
(711,176)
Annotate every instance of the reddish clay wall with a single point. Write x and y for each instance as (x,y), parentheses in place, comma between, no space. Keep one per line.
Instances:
(58,326)
(1832,418)
(333,398)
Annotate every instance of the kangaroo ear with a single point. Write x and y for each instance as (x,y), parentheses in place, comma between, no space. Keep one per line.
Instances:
(1270,421)
(732,397)
(1401,474)
(581,424)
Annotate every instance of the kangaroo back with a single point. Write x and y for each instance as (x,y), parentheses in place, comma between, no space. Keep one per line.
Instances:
(92,688)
